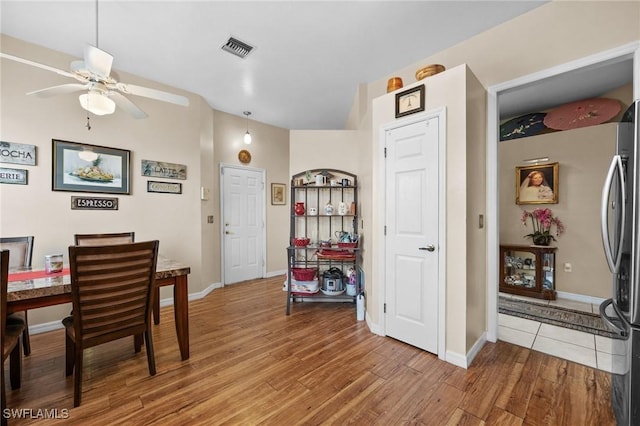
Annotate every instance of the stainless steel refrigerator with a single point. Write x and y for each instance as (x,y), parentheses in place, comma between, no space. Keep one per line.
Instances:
(620,224)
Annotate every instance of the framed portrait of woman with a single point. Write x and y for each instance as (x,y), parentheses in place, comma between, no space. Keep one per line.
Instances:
(537,184)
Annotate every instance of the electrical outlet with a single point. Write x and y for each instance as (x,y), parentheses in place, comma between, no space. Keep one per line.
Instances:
(210,219)
(567,267)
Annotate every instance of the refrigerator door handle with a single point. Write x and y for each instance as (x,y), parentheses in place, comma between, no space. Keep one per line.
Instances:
(616,164)
(622,333)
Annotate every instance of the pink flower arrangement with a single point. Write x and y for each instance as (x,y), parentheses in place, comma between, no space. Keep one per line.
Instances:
(542,220)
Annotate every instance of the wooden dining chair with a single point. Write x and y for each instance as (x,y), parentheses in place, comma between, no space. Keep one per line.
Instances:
(9,337)
(112,294)
(21,249)
(104,239)
(116,238)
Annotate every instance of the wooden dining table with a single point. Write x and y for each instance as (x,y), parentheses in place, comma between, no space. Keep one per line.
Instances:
(33,288)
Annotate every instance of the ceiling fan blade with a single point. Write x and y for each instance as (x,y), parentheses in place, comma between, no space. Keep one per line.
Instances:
(127,105)
(62,89)
(153,94)
(97,61)
(38,65)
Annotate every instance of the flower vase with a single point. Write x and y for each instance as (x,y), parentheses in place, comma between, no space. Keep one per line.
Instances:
(541,239)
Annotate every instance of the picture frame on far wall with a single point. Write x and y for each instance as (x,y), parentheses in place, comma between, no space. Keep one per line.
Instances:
(79,167)
(278,194)
(537,184)
(410,101)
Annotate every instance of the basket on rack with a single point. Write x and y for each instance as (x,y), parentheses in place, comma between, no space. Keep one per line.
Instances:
(301,242)
(304,274)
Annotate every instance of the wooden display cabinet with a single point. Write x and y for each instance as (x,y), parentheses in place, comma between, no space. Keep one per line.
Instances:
(528,270)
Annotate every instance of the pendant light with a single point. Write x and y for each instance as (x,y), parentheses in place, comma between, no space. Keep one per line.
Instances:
(247,135)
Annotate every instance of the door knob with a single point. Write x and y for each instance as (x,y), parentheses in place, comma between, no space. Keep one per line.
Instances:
(227,232)
(430,247)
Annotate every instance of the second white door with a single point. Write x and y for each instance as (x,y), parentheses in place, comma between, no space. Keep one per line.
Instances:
(243,219)
(411,290)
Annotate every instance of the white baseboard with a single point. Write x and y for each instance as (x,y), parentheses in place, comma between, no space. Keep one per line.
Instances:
(275,273)
(56,325)
(579,298)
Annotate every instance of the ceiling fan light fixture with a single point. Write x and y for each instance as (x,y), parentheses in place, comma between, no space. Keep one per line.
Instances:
(97,103)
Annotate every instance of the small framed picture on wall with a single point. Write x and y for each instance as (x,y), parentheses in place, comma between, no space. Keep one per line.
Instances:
(278,194)
(537,184)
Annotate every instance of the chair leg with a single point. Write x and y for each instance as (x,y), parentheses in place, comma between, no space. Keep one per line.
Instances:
(156,306)
(137,342)
(70,350)
(151,360)
(15,366)
(26,341)
(77,378)
(3,398)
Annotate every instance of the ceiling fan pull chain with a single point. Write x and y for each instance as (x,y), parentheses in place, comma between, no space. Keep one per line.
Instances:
(88,126)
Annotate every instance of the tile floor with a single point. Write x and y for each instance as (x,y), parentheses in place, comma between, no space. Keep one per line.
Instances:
(577,346)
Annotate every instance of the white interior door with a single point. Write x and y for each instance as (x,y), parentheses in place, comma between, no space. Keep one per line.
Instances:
(412,246)
(243,223)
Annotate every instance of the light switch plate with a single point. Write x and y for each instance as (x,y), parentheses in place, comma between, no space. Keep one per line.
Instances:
(204,193)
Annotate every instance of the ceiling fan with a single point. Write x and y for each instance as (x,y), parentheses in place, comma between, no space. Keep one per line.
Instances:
(102,92)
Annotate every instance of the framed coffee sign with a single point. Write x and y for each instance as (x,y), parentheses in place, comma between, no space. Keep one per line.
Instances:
(164,187)
(15,176)
(163,170)
(17,153)
(94,203)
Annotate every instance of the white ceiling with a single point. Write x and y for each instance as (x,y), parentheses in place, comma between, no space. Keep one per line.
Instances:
(309,56)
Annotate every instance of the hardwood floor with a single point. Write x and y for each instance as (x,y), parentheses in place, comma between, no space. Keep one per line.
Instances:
(252,364)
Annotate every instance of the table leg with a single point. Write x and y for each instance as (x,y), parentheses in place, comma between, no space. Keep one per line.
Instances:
(181,313)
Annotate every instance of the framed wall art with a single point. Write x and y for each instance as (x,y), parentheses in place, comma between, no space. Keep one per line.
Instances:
(81,167)
(410,101)
(278,194)
(537,184)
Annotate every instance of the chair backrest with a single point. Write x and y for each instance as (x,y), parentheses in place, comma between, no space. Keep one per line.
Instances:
(21,249)
(111,288)
(4,283)
(104,239)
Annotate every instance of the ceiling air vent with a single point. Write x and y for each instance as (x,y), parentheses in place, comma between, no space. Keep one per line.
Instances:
(237,47)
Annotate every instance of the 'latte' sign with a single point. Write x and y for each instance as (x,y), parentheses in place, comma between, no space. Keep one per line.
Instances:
(17,153)
(163,170)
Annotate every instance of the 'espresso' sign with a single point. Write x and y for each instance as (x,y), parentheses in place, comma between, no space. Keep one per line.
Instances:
(93,203)
(17,153)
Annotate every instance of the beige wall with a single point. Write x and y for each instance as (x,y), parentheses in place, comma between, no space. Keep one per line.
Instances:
(270,152)
(448,90)
(476,119)
(548,36)
(583,156)
(170,133)
(332,149)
